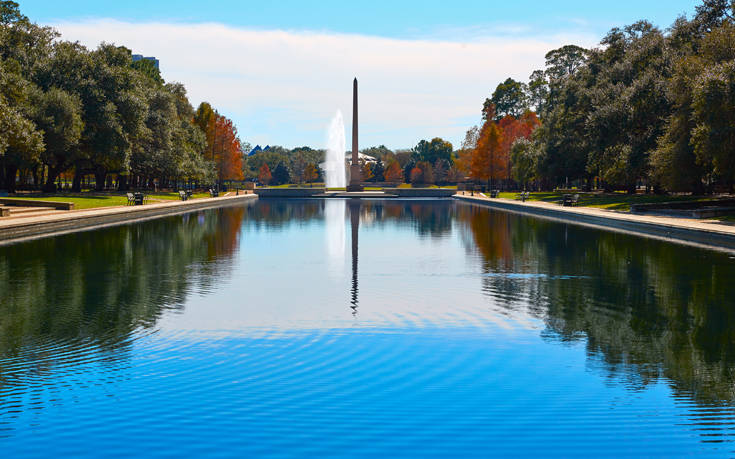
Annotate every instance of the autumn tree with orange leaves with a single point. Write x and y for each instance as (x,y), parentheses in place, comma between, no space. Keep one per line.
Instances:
(264,175)
(311,173)
(393,173)
(488,162)
(224,149)
(514,129)
(491,159)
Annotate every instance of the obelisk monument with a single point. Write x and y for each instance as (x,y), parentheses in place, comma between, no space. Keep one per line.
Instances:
(355,176)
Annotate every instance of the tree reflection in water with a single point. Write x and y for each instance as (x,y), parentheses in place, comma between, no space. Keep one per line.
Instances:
(97,287)
(648,311)
(646,308)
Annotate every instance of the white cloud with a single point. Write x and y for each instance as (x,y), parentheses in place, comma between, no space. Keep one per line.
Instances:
(282,87)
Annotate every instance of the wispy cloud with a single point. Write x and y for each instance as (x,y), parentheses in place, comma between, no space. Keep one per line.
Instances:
(281,87)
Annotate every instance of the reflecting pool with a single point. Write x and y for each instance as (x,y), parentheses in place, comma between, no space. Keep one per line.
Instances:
(364,328)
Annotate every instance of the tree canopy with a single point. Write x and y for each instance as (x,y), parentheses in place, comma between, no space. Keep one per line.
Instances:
(65,108)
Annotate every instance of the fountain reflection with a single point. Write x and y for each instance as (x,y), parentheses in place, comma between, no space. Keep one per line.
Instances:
(334,216)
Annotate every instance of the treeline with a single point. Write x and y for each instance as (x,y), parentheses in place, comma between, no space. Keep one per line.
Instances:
(65,109)
(278,165)
(430,161)
(647,108)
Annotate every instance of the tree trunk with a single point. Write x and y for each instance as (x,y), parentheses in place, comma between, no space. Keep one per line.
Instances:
(2,173)
(698,188)
(99,178)
(76,185)
(10,172)
(122,183)
(53,174)
(36,176)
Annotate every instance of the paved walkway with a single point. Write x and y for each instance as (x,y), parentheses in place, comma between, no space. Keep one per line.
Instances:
(712,231)
(18,227)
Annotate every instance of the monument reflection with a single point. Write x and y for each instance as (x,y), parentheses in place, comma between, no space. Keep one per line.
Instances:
(354,206)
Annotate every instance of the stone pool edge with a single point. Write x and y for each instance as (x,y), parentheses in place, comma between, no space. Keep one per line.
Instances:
(671,229)
(23,229)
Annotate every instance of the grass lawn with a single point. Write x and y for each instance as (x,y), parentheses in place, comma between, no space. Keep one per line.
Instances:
(293,185)
(82,201)
(449,187)
(94,200)
(610,201)
(174,196)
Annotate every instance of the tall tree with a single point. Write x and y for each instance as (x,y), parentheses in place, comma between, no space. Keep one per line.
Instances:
(537,91)
(115,110)
(281,174)
(488,162)
(393,172)
(205,117)
(59,115)
(433,150)
(311,173)
(714,107)
(524,156)
(227,150)
(378,170)
(565,61)
(509,99)
(147,68)
(264,175)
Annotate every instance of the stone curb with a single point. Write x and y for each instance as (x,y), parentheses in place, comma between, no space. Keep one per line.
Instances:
(650,226)
(84,220)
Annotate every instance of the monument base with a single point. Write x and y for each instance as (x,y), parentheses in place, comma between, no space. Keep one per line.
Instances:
(355,177)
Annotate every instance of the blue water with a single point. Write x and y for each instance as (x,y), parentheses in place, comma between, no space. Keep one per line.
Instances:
(440,329)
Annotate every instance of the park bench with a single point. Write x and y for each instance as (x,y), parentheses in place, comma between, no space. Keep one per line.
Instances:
(137,199)
(570,200)
(494,193)
(524,195)
(183,195)
(213,193)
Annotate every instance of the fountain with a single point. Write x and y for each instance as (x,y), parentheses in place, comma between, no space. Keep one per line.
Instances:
(334,166)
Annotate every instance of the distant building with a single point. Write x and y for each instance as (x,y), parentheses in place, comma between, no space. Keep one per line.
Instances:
(361,157)
(257,149)
(140,57)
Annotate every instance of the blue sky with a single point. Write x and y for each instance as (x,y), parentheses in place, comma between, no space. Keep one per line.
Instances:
(281,69)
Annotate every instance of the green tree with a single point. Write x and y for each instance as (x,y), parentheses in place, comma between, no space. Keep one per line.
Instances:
(509,98)
(281,174)
(378,170)
(115,111)
(380,152)
(148,68)
(714,114)
(21,142)
(431,151)
(59,115)
(537,91)
(524,157)
(564,62)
